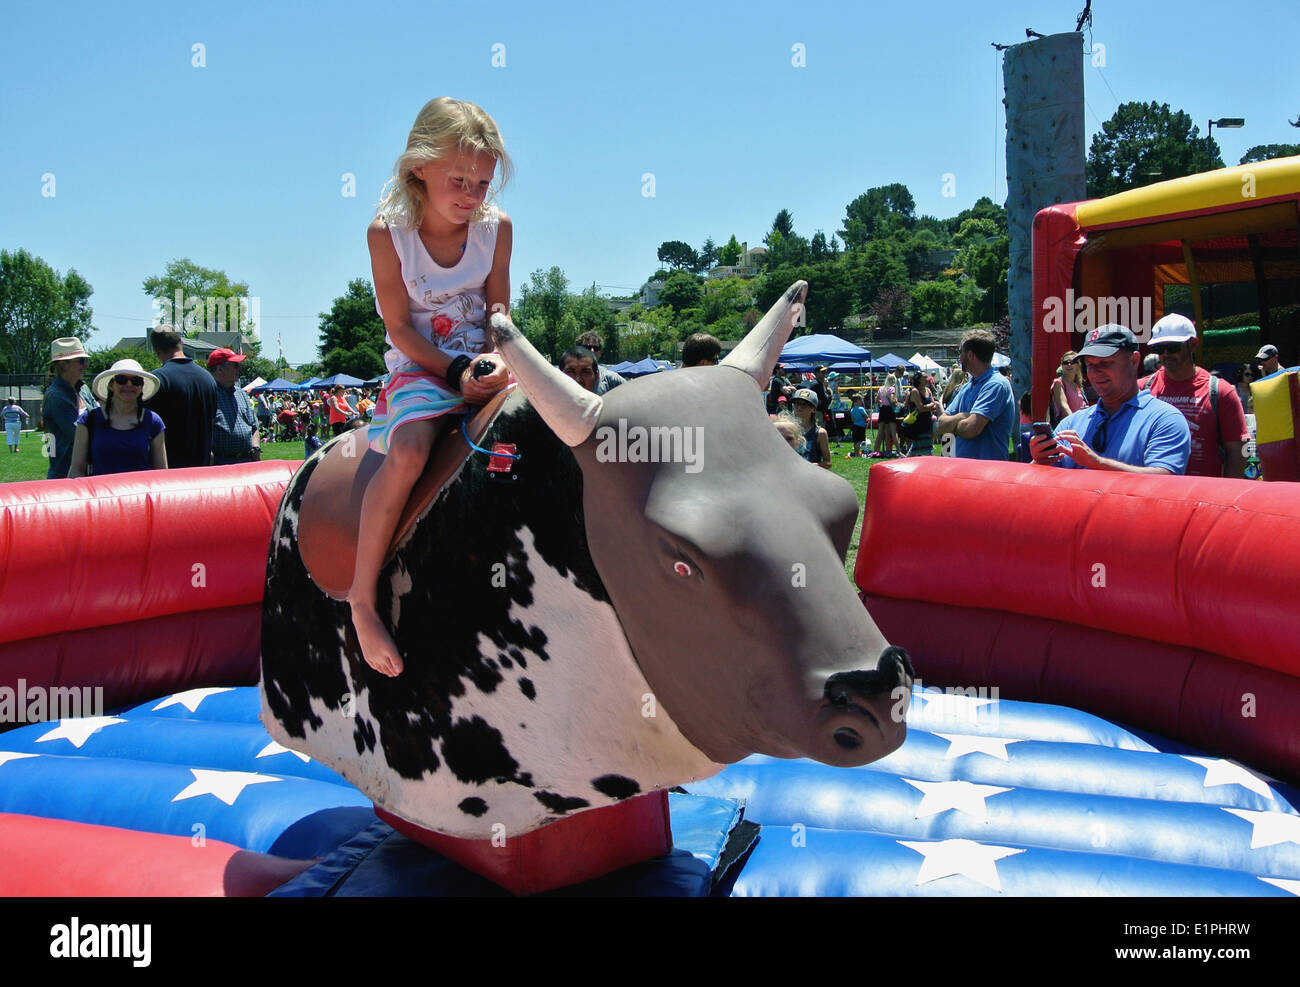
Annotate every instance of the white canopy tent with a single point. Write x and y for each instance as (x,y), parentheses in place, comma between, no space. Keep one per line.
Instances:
(924,362)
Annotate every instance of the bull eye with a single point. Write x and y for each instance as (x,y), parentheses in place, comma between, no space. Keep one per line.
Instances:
(681,568)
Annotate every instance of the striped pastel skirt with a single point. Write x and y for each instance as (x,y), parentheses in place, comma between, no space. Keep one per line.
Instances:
(411,395)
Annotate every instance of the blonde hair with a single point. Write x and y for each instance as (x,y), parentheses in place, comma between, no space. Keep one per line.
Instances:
(444,129)
(789,428)
(1066,365)
(958,378)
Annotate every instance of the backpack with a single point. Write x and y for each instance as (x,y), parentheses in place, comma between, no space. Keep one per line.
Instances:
(1214,410)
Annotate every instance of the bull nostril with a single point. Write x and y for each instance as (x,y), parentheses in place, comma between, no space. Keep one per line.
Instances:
(847,738)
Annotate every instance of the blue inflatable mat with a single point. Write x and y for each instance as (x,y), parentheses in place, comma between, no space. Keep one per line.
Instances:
(381,861)
(989,796)
(197,764)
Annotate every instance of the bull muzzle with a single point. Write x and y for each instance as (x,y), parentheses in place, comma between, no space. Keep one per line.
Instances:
(861,718)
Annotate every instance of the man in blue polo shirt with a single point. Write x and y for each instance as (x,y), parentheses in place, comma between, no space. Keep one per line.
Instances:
(983,411)
(1126,430)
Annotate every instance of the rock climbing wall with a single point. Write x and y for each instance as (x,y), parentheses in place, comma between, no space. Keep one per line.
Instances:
(1043,80)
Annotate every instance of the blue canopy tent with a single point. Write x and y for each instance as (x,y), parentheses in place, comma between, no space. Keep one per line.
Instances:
(279,384)
(381,380)
(823,348)
(893,362)
(618,368)
(641,368)
(347,380)
(310,382)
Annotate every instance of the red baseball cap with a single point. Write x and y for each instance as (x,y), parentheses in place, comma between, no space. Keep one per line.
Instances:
(224,355)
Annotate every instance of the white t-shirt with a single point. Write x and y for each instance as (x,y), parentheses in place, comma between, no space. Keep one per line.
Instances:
(448,306)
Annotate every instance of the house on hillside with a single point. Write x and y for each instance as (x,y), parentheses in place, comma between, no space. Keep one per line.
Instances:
(746,267)
(198,346)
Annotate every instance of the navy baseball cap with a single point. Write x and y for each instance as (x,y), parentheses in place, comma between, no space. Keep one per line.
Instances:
(1107,340)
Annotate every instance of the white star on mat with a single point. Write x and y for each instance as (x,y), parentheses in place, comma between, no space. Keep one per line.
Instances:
(225,785)
(78,731)
(274,748)
(1221,772)
(1270,828)
(978,861)
(940,796)
(961,744)
(190,699)
(13,756)
(1284,884)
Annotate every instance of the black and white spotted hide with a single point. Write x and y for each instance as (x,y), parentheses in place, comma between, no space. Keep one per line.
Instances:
(520,701)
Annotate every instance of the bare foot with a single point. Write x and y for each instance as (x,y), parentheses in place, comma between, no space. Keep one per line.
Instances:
(377,645)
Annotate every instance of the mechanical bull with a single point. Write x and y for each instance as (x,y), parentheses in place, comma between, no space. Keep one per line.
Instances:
(598,618)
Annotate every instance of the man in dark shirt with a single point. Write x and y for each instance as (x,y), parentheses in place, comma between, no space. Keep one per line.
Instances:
(186,401)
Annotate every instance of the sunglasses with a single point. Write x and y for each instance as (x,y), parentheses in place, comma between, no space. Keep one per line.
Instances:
(121,380)
(1162,348)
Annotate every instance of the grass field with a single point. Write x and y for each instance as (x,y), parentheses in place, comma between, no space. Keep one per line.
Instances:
(29,464)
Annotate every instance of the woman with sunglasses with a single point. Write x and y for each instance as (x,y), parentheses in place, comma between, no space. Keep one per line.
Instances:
(1246,373)
(1067,388)
(121,435)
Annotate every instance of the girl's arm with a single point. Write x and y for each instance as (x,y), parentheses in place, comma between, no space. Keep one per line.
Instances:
(80,452)
(157,453)
(823,450)
(394,302)
(496,293)
(1059,404)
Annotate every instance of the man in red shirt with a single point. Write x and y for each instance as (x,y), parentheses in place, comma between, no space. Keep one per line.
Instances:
(1214,423)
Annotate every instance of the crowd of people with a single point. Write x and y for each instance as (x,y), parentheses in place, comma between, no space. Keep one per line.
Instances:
(128,419)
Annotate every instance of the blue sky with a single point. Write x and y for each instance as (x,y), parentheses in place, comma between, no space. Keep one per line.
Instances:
(238,165)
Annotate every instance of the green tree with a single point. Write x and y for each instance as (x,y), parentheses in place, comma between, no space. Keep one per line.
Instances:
(787,250)
(937,305)
(678,255)
(37,306)
(917,249)
(725,297)
(259,366)
(729,255)
(209,300)
(352,334)
(1267,152)
(102,359)
(540,310)
(830,293)
(591,313)
(1144,143)
(878,212)
(891,306)
(784,223)
(681,291)
(987,263)
(708,255)
(877,265)
(984,208)
(975,231)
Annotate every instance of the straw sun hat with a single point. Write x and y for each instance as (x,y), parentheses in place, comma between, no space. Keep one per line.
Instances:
(128,367)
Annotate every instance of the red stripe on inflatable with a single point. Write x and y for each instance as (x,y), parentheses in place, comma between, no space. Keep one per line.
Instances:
(54,857)
(1224,706)
(1202,562)
(114,549)
(142,660)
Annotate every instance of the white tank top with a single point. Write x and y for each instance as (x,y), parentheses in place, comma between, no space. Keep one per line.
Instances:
(447,304)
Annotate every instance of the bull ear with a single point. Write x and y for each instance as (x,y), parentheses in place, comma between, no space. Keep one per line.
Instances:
(569,410)
(758,352)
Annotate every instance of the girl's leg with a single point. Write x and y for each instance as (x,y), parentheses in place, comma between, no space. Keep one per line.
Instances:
(385,497)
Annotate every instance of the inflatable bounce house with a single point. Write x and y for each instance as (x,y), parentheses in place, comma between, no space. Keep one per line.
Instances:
(1225,244)
(670,688)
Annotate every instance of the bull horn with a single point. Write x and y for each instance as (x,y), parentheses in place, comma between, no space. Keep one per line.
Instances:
(758,352)
(569,410)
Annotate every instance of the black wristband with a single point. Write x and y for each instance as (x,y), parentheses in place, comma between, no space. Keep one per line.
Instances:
(456,369)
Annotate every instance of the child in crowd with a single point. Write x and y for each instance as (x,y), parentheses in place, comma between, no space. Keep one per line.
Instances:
(858,419)
(440,253)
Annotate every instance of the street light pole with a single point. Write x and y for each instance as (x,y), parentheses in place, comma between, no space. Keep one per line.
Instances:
(1225,123)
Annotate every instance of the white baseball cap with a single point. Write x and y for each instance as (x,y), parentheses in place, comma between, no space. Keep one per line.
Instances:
(1172,329)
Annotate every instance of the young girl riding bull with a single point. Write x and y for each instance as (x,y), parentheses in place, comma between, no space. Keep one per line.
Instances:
(440,252)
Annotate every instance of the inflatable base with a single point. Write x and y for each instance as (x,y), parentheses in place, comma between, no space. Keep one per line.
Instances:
(568,851)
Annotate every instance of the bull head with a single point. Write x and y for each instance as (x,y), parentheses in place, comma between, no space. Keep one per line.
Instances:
(723,555)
